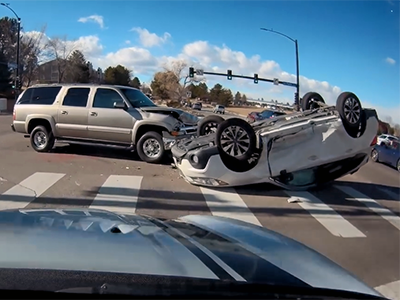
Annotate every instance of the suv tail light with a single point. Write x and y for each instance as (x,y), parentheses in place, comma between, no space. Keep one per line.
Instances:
(14,114)
(374,141)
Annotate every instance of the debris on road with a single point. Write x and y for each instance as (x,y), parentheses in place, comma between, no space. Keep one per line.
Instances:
(294,200)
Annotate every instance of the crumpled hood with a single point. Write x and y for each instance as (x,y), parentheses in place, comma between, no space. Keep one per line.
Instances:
(192,246)
(179,114)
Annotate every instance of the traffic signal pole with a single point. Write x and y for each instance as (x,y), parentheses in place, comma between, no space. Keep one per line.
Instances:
(229,75)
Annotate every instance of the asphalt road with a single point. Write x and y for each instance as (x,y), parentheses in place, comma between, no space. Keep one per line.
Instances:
(356,222)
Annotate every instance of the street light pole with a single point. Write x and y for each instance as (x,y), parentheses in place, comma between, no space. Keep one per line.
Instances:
(297,96)
(17,79)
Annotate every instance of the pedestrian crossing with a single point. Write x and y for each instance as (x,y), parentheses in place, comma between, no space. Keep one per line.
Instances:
(162,197)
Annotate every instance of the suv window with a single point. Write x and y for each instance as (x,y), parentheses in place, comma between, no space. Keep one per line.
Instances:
(44,95)
(26,97)
(105,98)
(76,97)
(137,98)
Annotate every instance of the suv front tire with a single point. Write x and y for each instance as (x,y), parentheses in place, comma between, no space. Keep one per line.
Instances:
(150,147)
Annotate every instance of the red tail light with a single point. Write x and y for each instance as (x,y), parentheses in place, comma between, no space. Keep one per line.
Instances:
(14,115)
(374,141)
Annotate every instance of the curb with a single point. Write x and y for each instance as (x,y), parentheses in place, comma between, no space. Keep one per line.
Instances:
(236,114)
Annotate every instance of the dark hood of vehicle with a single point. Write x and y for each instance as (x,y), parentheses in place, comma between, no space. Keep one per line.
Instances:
(179,114)
(192,246)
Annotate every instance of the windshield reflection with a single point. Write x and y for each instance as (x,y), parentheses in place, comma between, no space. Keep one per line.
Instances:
(137,99)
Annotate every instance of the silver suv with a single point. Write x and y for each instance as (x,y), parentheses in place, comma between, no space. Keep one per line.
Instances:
(100,115)
(219,109)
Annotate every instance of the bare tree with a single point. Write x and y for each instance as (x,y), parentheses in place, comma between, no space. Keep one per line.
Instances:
(32,48)
(179,79)
(59,49)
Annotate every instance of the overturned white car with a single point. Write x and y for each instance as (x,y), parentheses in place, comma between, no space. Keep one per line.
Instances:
(296,151)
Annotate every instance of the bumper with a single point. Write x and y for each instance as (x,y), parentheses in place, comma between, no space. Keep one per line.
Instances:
(216,174)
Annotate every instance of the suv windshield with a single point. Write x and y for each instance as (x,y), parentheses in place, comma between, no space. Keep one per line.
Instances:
(137,99)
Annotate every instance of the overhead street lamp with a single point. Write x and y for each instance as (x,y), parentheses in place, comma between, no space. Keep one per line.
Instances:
(7,5)
(297,97)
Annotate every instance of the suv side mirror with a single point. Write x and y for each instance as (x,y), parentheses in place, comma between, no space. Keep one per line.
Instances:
(120,105)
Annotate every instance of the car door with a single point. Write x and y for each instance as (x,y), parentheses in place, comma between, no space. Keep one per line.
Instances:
(73,113)
(384,152)
(109,123)
(393,154)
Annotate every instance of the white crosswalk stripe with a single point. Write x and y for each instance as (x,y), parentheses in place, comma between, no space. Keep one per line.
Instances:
(121,193)
(27,190)
(328,217)
(238,209)
(372,204)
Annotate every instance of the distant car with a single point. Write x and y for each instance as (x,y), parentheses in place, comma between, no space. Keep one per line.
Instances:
(301,150)
(219,109)
(387,152)
(386,138)
(197,106)
(265,114)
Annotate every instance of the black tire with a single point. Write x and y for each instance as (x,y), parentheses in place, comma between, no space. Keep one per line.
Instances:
(41,139)
(308,101)
(154,139)
(374,155)
(209,123)
(350,110)
(239,126)
(398,165)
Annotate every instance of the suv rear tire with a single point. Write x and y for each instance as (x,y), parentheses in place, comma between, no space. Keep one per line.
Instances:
(150,147)
(41,139)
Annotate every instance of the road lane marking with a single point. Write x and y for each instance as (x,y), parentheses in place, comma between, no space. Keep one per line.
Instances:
(29,189)
(119,193)
(227,203)
(385,213)
(390,290)
(326,216)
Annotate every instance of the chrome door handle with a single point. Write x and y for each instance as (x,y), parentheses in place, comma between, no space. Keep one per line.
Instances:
(94,114)
(64,112)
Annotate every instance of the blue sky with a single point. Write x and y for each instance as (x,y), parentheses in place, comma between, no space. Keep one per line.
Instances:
(353,45)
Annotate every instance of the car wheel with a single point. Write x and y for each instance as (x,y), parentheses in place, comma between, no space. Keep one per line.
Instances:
(398,165)
(41,139)
(209,125)
(375,156)
(309,101)
(350,110)
(236,138)
(150,147)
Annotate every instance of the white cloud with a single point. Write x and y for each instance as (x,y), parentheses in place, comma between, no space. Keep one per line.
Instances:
(89,45)
(201,54)
(138,60)
(390,61)
(223,58)
(127,42)
(148,39)
(93,18)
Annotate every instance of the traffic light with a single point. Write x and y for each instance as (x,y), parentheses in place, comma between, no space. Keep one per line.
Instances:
(18,84)
(256,78)
(191,72)
(229,74)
